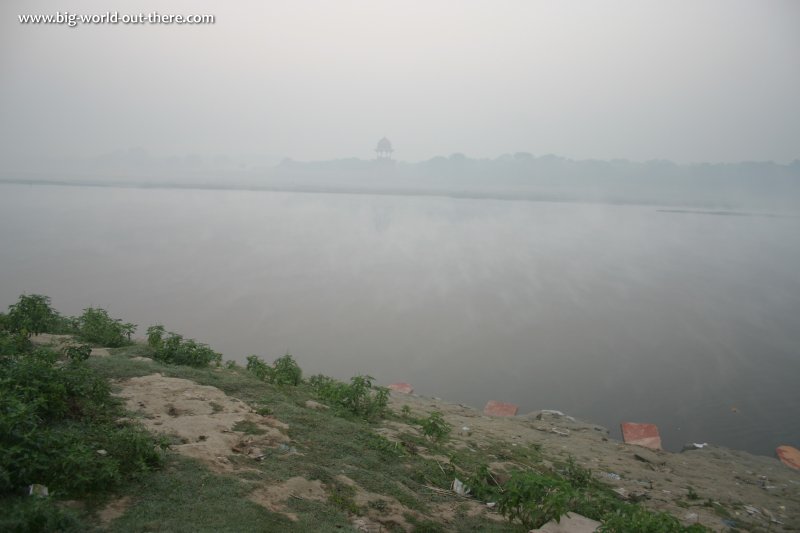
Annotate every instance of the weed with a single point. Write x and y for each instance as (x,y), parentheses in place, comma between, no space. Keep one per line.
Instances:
(435,427)
(174,349)
(249,428)
(22,514)
(359,397)
(77,354)
(283,371)
(341,496)
(387,449)
(96,327)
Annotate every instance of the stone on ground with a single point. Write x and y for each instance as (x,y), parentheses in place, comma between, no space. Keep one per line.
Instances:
(495,408)
(569,523)
(641,434)
(405,388)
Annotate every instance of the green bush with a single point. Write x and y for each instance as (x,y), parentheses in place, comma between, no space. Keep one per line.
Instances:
(95,326)
(283,371)
(287,371)
(535,499)
(31,315)
(359,397)
(639,519)
(259,368)
(26,514)
(59,428)
(435,427)
(175,350)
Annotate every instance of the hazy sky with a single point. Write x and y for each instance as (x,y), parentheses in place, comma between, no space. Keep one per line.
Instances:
(685,80)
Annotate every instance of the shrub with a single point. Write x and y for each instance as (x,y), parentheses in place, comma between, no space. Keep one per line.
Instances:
(58,427)
(31,315)
(36,514)
(283,371)
(359,397)
(435,427)
(176,350)
(95,326)
(259,368)
(535,499)
(639,519)
(287,371)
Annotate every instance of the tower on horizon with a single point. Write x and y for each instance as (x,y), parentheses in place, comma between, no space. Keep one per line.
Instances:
(384,149)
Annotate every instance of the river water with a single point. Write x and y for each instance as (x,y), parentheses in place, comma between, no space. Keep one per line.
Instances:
(610,313)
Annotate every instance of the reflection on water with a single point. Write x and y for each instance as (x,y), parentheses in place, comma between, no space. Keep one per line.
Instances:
(610,313)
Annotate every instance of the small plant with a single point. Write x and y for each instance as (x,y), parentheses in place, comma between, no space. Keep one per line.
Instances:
(405,411)
(287,371)
(248,428)
(31,315)
(639,519)
(691,494)
(77,354)
(230,364)
(95,326)
(578,476)
(264,410)
(435,427)
(172,348)
(283,371)
(359,397)
(535,499)
(341,496)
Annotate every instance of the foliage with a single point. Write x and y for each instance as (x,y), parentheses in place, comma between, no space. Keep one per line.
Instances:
(36,514)
(95,326)
(435,427)
(639,519)
(359,397)
(535,499)
(283,371)
(175,350)
(287,371)
(58,427)
(31,315)
(259,368)
(76,354)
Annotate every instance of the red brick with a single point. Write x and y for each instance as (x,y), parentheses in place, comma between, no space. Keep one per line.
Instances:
(641,434)
(405,388)
(789,455)
(495,408)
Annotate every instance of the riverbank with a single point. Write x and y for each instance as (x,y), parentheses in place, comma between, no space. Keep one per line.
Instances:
(293,456)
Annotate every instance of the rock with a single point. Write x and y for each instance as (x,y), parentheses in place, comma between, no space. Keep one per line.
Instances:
(641,434)
(569,523)
(100,352)
(38,490)
(311,404)
(495,408)
(404,388)
(693,446)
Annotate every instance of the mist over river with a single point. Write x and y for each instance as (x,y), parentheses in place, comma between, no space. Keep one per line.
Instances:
(609,313)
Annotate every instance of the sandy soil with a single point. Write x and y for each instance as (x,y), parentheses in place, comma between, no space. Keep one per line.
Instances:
(201,419)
